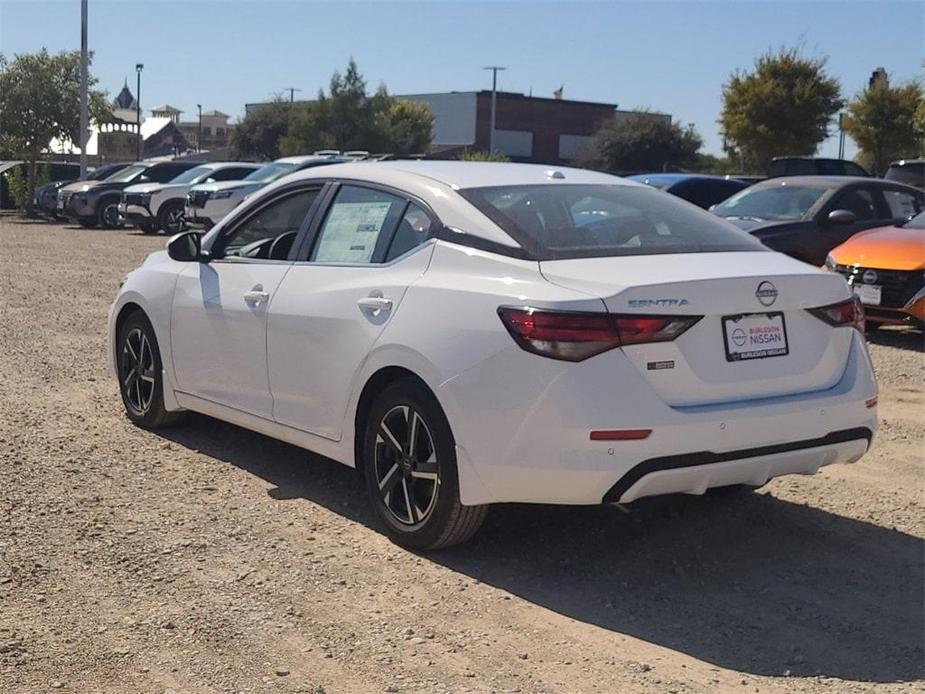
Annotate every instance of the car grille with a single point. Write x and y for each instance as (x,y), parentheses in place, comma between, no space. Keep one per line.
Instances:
(133,198)
(197,198)
(898,286)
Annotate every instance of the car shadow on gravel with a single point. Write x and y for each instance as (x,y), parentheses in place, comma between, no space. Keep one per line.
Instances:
(911,339)
(751,582)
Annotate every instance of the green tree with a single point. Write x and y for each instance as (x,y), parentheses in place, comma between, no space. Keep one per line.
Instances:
(39,101)
(784,107)
(259,134)
(646,142)
(348,117)
(882,120)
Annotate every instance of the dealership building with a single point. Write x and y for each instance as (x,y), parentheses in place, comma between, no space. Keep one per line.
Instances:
(527,128)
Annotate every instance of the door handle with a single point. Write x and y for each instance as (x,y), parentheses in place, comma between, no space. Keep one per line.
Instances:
(375,304)
(257,295)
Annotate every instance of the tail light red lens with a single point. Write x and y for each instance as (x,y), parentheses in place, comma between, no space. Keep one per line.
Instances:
(574,336)
(845,313)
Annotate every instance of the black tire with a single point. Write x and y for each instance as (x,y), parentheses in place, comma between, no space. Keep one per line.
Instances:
(444,521)
(107,213)
(147,227)
(87,223)
(142,389)
(733,490)
(170,218)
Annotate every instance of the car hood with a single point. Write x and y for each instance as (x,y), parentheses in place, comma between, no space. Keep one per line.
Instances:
(246,186)
(79,186)
(156,187)
(887,248)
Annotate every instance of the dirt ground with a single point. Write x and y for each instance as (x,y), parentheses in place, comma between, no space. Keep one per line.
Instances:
(210,559)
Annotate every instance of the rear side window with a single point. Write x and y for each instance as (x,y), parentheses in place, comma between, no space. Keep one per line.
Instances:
(358,222)
(860,201)
(582,221)
(902,204)
(412,231)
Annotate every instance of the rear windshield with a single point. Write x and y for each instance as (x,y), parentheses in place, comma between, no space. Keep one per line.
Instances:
(911,174)
(583,221)
(782,202)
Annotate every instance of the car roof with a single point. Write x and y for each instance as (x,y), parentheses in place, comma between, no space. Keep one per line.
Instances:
(464,174)
(671,178)
(305,158)
(819,181)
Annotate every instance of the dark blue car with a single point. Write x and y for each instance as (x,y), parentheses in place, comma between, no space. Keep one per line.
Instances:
(701,189)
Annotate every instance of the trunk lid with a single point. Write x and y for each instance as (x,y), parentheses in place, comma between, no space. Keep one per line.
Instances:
(694,369)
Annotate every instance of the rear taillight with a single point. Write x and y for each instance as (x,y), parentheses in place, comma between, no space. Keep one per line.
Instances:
(848,313)
(574,336)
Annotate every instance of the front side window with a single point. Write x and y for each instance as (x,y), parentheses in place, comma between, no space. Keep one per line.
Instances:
(860,201)
(358,221)
(165,173)
(195,175)
(777,203)
(554,221)
(270,231)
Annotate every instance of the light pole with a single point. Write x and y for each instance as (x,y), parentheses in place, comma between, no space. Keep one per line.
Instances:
(292,91)
(138,68)
(84,115)
(199,139)
(494,102)
(841,136)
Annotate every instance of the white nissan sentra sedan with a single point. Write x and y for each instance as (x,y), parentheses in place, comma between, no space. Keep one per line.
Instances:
(472,333)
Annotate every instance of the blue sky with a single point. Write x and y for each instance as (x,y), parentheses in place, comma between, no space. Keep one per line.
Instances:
(668,56)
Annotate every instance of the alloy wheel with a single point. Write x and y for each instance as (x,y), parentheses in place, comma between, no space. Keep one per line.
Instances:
(136,371)
(111,215)
(407,472)
(173,221)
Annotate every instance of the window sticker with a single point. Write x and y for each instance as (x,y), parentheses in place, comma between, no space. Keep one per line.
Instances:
(351,231)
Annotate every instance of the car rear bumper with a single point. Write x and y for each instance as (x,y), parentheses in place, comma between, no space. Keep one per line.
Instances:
(527,438)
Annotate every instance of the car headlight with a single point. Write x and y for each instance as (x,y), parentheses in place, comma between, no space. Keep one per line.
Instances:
(222,194)
(830,263)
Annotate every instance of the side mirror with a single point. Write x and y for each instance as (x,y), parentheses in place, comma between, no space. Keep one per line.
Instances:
(186,247)
(841,217)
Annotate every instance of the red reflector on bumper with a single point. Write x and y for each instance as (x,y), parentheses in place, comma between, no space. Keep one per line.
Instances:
(620,434)
(872,402)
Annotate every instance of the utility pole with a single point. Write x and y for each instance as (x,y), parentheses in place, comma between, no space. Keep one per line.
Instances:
(841,136)
(138,68)
(494,103)
(199,138)
(292,91)
(84,107)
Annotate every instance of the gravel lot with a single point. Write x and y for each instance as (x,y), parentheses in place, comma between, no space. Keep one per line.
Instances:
(208,558)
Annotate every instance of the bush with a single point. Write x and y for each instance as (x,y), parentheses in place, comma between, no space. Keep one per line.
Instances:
(482,155)
(19,183)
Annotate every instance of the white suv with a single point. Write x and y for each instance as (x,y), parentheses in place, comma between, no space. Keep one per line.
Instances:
(153,207)
(207,203)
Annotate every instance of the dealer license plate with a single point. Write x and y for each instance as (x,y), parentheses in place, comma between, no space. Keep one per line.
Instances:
(868,293)
(755,336)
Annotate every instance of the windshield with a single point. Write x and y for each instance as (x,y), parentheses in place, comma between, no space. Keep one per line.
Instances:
(912,174)
(777,203)
(194,175)
(270,172)
(128,173)
(554,221)
(917,222)
(102,173)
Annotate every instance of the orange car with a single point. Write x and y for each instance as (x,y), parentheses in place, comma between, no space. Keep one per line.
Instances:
(886,269)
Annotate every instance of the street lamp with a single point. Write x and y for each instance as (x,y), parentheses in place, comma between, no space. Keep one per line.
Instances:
(494,100)
(138,68)
(199,138)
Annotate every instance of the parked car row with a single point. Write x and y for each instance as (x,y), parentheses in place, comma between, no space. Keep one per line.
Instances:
(168,196)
